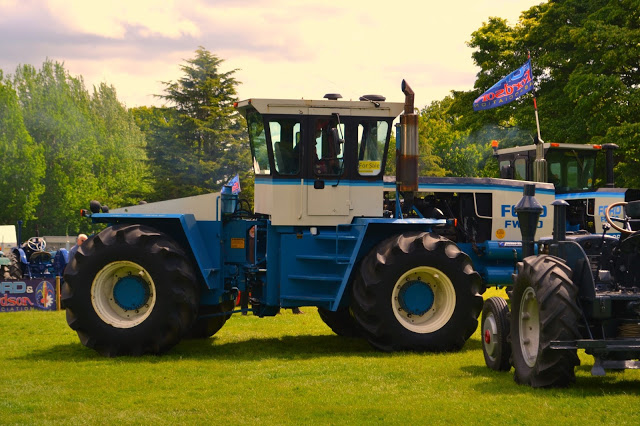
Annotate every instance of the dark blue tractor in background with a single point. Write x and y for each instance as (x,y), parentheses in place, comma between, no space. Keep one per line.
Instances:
(31,260)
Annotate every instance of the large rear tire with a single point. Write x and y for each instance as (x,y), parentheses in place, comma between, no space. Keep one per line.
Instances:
(419,292)
(130,290)
(341,322)
(495,331)
(544,309)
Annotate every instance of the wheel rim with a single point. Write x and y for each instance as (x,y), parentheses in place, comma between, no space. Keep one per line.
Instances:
(123,294)
(529,326)
(490,335)
(423,299)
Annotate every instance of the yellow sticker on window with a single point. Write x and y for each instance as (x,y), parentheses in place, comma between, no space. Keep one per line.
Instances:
(369,167)
(237,243)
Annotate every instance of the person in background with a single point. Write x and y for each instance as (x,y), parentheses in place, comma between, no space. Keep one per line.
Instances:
(81,239)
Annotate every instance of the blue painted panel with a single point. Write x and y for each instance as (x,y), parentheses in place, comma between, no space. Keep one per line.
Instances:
(494,260)
(199,239)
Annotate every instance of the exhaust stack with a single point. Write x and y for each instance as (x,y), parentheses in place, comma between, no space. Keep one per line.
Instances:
(407,154)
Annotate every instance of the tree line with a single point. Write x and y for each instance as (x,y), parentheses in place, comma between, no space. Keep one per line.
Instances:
(63,146)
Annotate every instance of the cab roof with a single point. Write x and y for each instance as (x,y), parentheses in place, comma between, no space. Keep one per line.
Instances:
(547,145)
(321,107)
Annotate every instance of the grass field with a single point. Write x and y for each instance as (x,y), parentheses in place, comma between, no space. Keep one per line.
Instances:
(290,369)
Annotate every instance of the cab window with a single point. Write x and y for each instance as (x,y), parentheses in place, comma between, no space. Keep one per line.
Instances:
(328,148)
(285,140)
(372,142)
(520,166)
(258,140)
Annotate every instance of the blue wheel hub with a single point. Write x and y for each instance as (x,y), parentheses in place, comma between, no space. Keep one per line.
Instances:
(131,293)
(416,297)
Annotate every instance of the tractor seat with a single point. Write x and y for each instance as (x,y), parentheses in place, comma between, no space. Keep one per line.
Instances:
(632,209)
(40,257)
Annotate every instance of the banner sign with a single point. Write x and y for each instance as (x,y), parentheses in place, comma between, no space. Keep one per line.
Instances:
(26,295)
(506,90)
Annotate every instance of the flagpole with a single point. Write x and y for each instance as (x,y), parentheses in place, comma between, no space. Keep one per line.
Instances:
(540,164)
(535,103)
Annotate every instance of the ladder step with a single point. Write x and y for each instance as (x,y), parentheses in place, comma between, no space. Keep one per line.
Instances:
(330,258)
(341,237)
(308,298)
(323,278)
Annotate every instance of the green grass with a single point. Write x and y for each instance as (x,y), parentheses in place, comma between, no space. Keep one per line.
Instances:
(289,369)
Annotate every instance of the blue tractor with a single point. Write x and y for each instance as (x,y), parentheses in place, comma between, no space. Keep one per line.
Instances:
(580,291)
(31,260)
(318,236)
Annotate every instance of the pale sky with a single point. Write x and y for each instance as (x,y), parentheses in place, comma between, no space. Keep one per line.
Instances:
(282,48)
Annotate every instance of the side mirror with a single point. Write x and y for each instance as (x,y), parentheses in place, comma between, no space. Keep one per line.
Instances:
(335,136)
(506,172)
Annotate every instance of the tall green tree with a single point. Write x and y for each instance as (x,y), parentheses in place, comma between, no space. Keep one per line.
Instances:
(56,113)
(121,165)
(209,135)
(22,162)
(91,146)
(585,67)
(171,161)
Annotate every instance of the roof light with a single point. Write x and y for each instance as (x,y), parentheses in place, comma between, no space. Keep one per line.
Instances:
(555,144)
(494,143)
(333,96)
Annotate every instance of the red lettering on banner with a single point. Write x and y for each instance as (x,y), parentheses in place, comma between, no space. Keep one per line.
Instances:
(15,301)
(509,88)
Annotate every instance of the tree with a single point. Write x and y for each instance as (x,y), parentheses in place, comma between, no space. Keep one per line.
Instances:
(91,147)
(170,160)
(585,67)
(121,166)
(206,132)
(55,108)
(22,162)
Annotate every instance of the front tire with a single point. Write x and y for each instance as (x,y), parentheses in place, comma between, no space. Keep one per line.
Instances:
(13,271)
(417,291)
(544,309)
(130,290)
(495,330)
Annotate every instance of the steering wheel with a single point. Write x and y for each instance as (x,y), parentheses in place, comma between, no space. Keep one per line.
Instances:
(611,220)
(36,243)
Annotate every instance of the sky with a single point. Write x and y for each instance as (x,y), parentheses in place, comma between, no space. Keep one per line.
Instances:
(280,48)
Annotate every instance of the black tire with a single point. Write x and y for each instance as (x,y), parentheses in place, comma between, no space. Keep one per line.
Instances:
(495,331)
(544,309)
(208,326)
(130,290)
(397,311)
(13,271)
(341,322)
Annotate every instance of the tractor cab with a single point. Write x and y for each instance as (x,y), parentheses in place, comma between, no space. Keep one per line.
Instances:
(319,162)
(570,167)
(572,170)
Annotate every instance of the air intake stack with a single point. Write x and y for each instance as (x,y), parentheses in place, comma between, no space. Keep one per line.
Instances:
(407,155)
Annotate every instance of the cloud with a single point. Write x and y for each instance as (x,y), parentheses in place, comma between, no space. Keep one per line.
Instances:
(283,48)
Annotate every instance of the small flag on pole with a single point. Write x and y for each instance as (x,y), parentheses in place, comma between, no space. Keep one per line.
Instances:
(235,184)
(506,90)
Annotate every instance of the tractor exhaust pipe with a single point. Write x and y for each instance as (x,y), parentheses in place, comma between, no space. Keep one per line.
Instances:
(528,211)
(407,151)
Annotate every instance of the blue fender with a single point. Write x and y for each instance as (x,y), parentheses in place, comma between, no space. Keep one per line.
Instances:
(60,261)
(20,255)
